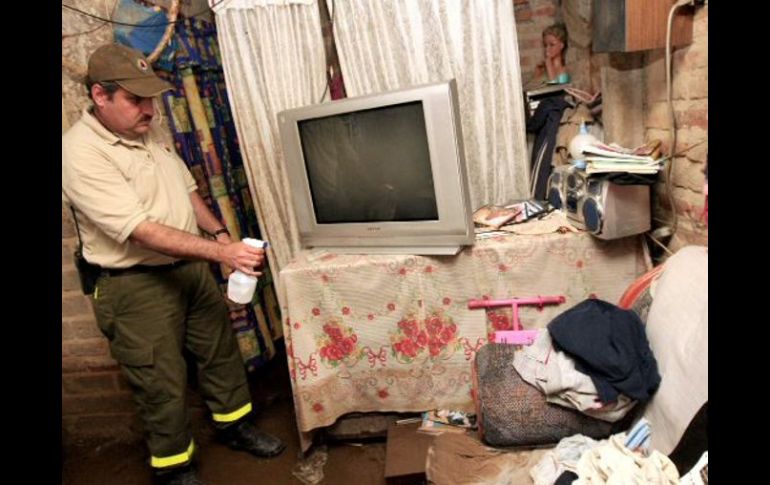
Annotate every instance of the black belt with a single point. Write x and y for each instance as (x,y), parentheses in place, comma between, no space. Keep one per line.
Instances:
(144,268)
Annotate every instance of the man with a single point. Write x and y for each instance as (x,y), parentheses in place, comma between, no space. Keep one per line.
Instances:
(138,215)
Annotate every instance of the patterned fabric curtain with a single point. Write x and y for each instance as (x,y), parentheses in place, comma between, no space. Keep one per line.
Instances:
(205,137)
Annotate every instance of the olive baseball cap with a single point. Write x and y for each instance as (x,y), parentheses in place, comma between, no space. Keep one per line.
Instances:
(128,68)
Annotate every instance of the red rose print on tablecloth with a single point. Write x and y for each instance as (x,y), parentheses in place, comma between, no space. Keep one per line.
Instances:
(338,344)
(433,337)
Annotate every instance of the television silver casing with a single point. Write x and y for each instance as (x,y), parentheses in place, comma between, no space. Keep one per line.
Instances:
(446,236)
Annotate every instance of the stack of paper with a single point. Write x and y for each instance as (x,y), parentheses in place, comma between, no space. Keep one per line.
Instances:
(601,158)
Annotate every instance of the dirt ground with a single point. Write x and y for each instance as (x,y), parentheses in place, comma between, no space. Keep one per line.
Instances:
(120,463)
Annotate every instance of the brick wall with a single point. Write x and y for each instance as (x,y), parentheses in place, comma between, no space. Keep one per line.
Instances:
(690,99)
(95,399)
(532,16)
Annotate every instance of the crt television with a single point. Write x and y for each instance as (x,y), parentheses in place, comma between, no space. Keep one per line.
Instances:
(382,173)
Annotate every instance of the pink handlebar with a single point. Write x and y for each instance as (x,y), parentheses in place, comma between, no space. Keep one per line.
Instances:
(514,304)
(537,300)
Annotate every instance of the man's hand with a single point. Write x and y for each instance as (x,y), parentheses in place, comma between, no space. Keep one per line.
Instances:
(243,257)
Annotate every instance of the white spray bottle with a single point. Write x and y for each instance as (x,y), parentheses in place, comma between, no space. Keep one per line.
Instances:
(240,286)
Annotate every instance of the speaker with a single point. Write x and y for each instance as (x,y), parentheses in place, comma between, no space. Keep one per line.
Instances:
(556,195)
(605,209)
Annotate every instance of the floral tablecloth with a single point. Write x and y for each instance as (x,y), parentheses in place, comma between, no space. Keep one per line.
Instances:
(394,332)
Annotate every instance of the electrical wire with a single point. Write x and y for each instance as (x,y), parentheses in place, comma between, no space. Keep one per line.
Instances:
(148,26)
(85,32)
(112,14)
(669,167)
(668,251)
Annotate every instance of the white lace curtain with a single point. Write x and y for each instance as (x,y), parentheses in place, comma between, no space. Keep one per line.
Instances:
(389,44)
(273,57)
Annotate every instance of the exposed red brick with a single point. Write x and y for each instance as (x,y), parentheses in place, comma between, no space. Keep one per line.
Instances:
(688,174)
(80,328)
(695,117)
(698,153)
(74,305)
(85,347)
(118,402)
(523,15)
(688,136)
(67,226)
(547,11)
(89,383)
(82,364)
(530,44)
(70,280)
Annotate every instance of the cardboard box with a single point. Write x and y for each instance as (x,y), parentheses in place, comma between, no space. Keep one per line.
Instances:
(405,454)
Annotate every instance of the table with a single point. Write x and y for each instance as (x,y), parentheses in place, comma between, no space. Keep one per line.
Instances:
(394,333)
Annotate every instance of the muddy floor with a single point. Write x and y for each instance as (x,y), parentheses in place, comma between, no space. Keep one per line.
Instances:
(125,463)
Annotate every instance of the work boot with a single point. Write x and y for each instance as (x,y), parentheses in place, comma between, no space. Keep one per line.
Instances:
(245,436)
(179,476)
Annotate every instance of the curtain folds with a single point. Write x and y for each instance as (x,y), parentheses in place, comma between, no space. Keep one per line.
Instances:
(390,44)
(273,58)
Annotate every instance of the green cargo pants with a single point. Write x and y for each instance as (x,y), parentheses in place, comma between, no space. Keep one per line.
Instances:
(149,318)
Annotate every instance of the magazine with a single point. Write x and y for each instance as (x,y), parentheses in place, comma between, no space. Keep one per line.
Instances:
(495,216)
(442,420)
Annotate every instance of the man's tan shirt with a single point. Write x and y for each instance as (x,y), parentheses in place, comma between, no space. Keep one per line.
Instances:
(114,184)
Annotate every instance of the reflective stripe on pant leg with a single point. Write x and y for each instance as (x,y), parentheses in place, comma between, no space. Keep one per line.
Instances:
(143,317)
(173,460)
(234,416)
(211,339)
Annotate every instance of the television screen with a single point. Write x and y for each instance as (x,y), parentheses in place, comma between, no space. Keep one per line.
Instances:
(370,166)
(381,173)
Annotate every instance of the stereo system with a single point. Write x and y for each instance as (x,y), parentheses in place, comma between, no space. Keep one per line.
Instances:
(605,209)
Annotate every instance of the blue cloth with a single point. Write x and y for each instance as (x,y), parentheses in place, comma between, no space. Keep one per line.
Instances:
(197,59)
(610,345)
(150,25)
